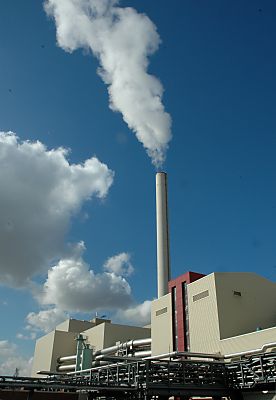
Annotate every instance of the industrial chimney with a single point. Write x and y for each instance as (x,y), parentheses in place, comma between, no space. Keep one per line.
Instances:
(163,256)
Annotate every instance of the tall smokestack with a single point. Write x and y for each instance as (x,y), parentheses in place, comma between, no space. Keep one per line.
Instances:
(163,256)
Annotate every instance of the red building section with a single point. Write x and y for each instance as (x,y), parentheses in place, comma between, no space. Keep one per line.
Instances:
(178,289)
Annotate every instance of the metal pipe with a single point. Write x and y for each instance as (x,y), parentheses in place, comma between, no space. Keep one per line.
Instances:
(141,342)
(116,358)
(131,343)
(66,367)
(251,352)
(162,230)
(66,358)
(107,350)
(89,370)
(99,363)
(142,353)
(177,354)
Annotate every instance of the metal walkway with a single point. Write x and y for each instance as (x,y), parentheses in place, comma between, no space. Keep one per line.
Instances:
(146,379)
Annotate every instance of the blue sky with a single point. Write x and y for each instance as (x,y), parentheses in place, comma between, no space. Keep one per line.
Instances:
(217,65)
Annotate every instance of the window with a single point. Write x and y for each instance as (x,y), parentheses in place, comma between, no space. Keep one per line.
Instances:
(235,293)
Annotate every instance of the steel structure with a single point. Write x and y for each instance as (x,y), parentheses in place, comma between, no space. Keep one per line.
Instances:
(146,379)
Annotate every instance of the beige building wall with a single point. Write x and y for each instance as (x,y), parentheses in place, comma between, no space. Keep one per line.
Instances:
(74,325)
(254,307)
(115,333)
(50,347)
(249,341)
(107,334)
(43,353)
(217,313)
(203,315)
(161,325)
(95,336)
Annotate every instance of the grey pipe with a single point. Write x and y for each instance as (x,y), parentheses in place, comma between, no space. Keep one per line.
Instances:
(116,358)
(251,352)
(125,345)
(142,353)
(66,367)
(66,358)
(177,354)
(141,342)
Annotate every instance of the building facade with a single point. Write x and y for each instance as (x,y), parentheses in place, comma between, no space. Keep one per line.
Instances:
(223,312)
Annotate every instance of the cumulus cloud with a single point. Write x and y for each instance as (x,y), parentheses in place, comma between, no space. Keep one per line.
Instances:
(40,192)
(10,360)
(45,320)
(71,285)
(137,315)
(122,40)
(119,265)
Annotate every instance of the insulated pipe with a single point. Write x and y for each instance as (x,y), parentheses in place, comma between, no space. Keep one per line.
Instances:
(90,370)
(99,363)
(142,353)
(162,230)
(131,343)
(66,367)
(116,358)
(251,352)
(107,350)
(67,358)
(177,354)
(141,342)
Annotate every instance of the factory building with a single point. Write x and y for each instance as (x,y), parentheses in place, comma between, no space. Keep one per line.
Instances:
(230,314)
(220,313)
(223,313)
(96,335)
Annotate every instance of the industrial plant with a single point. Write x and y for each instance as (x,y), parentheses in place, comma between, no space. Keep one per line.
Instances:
(210,337)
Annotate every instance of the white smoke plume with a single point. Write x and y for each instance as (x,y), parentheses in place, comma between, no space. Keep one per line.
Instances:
(122,40)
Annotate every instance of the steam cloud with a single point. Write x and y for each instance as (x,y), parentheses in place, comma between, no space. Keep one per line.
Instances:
(122,40)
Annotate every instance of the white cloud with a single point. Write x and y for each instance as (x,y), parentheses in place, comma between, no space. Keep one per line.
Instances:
(45,320)
(122,40)
(72,286)
(10,359)
(6,348)
(119,264)
(40,192)
(22,364)
(31,336)
(136,315)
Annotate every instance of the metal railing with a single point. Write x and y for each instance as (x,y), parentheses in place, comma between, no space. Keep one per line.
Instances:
(152,377)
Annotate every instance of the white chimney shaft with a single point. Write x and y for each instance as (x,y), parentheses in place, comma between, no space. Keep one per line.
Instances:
(163,257)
